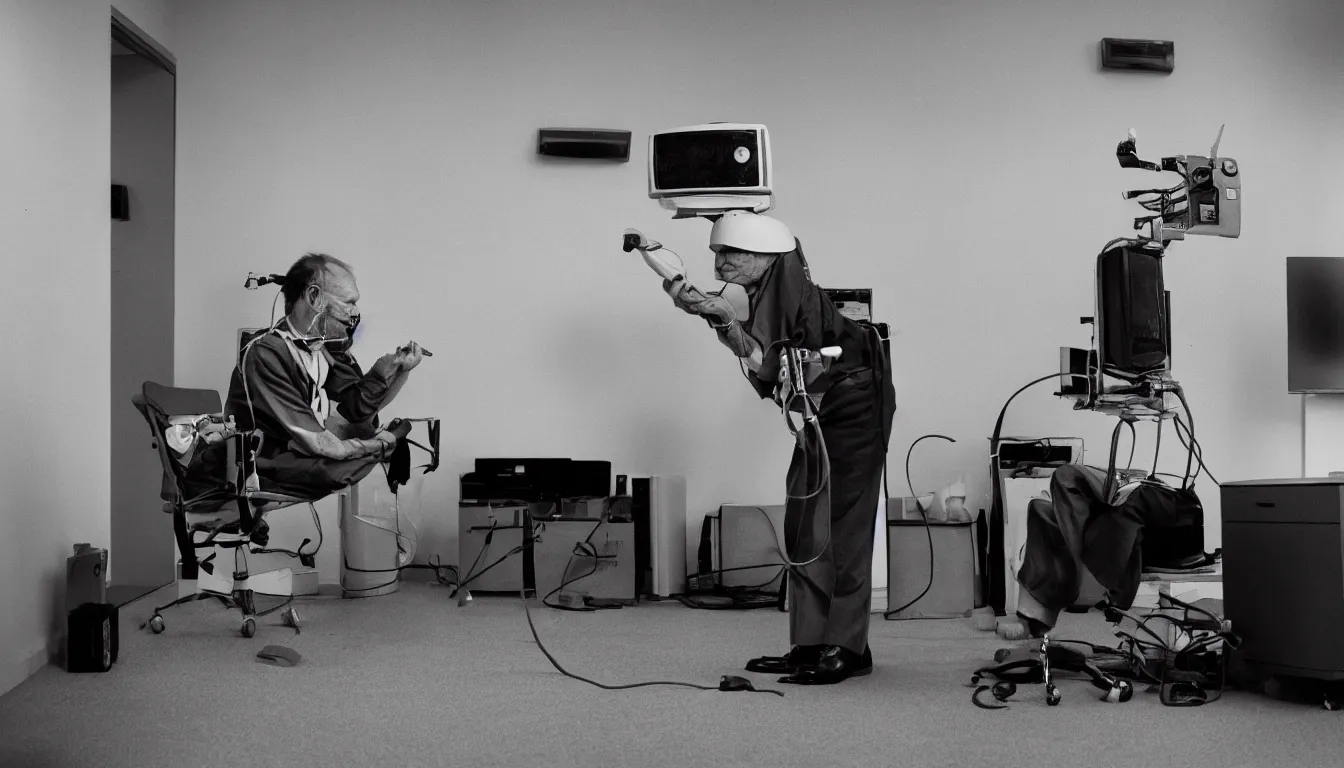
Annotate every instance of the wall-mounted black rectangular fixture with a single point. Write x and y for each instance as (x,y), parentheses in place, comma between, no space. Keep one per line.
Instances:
(121,202)
(1143,55)
(587,143)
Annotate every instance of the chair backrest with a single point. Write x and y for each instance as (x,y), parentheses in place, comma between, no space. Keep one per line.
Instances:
(158,404)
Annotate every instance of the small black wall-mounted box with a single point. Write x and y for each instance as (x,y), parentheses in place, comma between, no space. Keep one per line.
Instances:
(1141,55)
(121,202)
(585,143)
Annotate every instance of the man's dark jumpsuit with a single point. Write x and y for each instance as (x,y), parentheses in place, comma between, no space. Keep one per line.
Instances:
(280,393)
(830,599)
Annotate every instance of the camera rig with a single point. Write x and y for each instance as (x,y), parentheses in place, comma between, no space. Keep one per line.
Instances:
(1108,378)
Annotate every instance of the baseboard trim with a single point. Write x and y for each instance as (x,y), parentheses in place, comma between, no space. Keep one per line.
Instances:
(879,600)
(25,668)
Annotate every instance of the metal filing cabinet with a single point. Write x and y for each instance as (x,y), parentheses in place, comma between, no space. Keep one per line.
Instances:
(1283,578)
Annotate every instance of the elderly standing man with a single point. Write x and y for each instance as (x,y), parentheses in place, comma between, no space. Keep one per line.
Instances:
(830,596)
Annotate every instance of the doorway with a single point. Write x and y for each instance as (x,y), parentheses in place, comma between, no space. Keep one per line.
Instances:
(144,126)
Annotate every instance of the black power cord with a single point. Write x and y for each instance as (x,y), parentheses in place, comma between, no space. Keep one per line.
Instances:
(725,685)
(996,505)
(927,530)
(436,567)
(744,597)
(583,548)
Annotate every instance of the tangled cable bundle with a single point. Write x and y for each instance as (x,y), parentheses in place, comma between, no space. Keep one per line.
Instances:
(1180,650)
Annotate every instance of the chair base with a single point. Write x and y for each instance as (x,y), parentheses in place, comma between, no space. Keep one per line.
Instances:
(238,592)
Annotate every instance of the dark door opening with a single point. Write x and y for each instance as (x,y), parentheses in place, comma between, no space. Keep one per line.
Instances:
(144,105)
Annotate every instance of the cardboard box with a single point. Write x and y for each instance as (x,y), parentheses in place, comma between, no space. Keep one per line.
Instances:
(563,554)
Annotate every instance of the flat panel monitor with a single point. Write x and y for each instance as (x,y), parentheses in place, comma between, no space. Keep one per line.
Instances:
(1315,300)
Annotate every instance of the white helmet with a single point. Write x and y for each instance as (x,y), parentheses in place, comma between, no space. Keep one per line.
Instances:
(747,231)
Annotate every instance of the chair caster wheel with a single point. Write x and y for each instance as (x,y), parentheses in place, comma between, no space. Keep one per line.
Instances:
(249,627)
(156,624)
(1052,696)
(291,619)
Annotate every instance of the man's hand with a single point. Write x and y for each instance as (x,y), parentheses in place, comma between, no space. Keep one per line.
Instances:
(394,432)
(685,297)
(717,309)
(389,442)
(408,356)
(690,300)
(399,428)
(397,362)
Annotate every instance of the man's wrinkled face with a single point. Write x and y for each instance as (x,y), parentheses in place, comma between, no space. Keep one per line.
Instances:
(741,267)
(339,304)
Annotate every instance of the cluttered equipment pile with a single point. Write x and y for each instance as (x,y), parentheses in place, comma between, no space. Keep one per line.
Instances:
(1179,649)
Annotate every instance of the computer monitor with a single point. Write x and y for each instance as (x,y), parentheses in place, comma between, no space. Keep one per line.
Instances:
(710,159)
(1133,312)
(1315,300)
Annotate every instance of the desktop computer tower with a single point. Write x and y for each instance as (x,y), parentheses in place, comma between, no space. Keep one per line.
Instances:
(658,507)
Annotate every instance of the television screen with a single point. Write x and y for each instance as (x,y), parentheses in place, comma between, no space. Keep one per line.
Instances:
(1132,312)
(707,160)
(1315,302)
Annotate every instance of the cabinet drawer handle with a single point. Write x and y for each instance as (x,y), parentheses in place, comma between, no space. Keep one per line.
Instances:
(1265,504)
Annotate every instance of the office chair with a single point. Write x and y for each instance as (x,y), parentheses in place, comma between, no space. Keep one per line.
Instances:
(219,499)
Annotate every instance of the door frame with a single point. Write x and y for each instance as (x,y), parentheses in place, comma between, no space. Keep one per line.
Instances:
(129,34)
(132,36)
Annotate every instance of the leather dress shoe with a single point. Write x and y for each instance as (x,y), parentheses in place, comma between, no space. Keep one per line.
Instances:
(836,665)
(797,657)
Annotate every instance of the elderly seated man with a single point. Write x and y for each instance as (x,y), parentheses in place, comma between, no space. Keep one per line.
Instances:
(298,384)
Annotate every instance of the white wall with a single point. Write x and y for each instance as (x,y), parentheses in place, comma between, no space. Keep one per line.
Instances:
(54,237)
(957,157)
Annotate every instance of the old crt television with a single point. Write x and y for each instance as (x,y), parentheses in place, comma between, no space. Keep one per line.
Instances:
(1133,312)
(710,159)
(1315,301)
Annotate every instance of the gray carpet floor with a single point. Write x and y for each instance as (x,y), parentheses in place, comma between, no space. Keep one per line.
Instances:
(411,679)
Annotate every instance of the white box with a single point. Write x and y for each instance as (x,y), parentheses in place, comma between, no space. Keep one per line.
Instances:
(474,523)
(748,535)
(558,558)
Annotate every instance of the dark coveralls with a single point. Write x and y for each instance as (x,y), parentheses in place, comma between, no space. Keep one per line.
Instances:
(281,393)
(830,599)
(1077,529)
